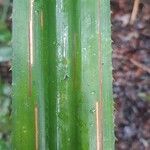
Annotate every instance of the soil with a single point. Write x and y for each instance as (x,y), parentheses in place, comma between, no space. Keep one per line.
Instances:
(131,62)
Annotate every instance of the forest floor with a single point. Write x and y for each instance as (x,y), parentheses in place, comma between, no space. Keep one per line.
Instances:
(131,63)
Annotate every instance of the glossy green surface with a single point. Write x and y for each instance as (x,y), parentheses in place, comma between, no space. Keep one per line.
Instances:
(73,77)
(72,55)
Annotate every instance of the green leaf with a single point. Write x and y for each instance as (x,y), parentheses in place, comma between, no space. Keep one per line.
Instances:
(62,75)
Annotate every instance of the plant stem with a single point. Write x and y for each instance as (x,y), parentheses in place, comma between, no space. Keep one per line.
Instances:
(80,42)
(62,75)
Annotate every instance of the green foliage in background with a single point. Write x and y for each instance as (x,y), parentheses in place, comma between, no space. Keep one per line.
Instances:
(5,34)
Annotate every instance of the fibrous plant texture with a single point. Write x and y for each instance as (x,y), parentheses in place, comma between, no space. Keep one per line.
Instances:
(62,75)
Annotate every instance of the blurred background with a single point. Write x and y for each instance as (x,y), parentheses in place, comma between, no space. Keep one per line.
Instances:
(131,63)
(5,73)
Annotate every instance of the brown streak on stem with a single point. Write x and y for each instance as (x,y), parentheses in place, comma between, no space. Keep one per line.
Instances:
(36,127)
(101,124)
(99,134)
(99,112)
(97,128)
